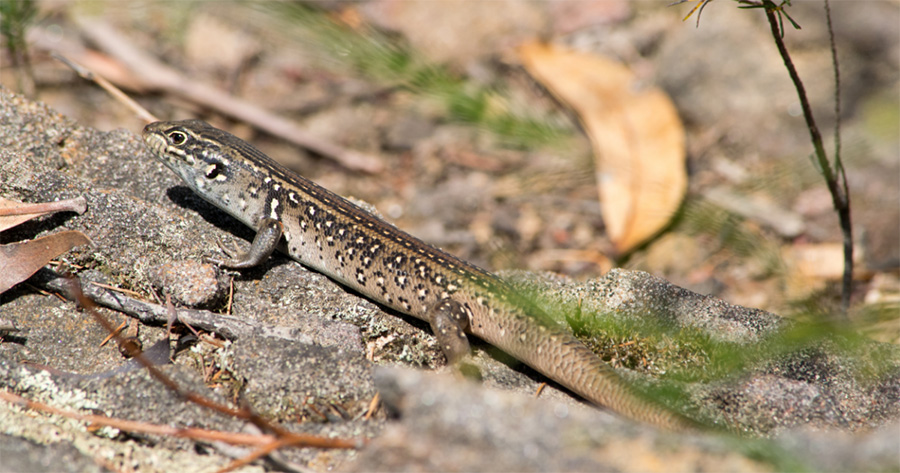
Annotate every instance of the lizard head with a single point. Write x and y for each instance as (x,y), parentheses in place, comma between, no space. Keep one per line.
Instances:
(189,148)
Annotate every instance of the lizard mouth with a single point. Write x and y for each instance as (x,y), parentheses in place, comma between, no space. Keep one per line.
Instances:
(156,143)
(159,146)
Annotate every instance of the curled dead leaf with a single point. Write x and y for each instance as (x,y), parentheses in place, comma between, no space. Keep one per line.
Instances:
(637,136)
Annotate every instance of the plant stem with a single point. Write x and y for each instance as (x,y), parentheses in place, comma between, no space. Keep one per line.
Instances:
(846,224)
(839,195)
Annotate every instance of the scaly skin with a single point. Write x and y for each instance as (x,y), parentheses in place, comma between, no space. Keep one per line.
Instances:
(331,235)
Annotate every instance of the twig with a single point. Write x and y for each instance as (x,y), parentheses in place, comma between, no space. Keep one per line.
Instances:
(276,436)
(117,289)
(111,335)
(284,437)
(256,454)
(162,77)
(837,91)
(846,223)
(373,406)
(108,87)
(230,295)
(839,196)
(243,413)
(149,313)
(233,438)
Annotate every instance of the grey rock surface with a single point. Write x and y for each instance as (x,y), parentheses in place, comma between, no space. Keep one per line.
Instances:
(446,424)
(24,456)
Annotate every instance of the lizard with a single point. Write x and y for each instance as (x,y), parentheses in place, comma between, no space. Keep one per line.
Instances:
(337,238)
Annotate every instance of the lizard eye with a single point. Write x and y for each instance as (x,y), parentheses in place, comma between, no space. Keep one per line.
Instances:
(178,137)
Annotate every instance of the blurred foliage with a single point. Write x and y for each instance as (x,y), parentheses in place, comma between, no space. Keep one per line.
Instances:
(681,355)
(390,60)
(688,354)
(15,18)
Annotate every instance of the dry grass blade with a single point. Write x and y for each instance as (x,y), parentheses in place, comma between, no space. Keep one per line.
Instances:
(373,406)
(116,289)
(262,452)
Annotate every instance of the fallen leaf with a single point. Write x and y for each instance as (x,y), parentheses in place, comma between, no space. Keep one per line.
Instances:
(637,136)
(13,213)
(809,267)
(819,260)
(20,260)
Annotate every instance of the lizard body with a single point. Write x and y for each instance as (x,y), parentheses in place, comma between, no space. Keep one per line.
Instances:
(331,235)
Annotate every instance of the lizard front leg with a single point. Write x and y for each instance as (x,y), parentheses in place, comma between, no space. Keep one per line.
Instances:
(268,234)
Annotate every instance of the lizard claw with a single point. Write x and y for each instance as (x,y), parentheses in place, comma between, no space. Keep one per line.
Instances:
(231,251)
(231,248)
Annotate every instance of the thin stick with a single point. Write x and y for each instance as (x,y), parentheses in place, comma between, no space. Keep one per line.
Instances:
(241,413)
(256,454)
(162,77)
(839,197)
(107,86)
(116,332)
(846,226)
(230,295)
(233,438)
(117,289)
(373,406)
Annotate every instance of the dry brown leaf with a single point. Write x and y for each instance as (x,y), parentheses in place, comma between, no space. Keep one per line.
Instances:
(13,213)
(809,267)
(20,260)
(636,133)
(819,260)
